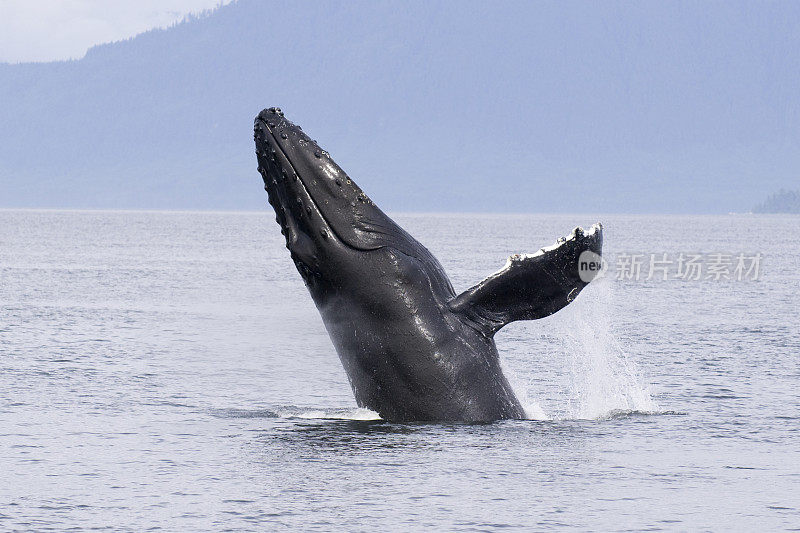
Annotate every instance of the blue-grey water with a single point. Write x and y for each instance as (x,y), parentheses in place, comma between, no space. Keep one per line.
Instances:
(169,371)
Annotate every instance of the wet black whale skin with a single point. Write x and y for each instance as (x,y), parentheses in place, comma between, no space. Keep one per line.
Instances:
(413,350)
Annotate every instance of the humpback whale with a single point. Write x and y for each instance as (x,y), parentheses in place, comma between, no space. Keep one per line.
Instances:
(412,349)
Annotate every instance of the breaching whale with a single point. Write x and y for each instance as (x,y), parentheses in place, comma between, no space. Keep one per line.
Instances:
(412,349)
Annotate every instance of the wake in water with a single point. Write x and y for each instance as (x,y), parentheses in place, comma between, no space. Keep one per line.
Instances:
(305,413)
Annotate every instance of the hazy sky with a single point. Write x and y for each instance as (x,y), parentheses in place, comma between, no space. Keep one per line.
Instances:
(48,30)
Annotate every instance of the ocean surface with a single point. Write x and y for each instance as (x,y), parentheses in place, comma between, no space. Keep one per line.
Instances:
(168,370)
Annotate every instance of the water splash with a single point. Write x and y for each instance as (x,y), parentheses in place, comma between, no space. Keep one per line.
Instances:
(358,413)
(533,409)
(605,380)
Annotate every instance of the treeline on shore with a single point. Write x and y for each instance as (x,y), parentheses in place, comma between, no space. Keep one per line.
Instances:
(783,201)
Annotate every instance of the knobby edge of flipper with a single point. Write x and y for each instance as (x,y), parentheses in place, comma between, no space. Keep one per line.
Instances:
(531,286)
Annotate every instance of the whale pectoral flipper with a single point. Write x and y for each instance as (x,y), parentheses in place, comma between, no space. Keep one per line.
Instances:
(530,286)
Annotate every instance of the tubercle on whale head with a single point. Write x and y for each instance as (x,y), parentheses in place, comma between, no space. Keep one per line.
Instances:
(323,214)
(301,222)
(318,206)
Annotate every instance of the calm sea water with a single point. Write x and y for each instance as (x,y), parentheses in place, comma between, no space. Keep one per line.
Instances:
(169,370)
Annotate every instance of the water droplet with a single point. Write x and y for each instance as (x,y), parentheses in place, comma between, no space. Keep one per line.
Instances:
(323,233)
(299,200)
(308,209)
(284,136)
(271,124)
(338,182)
(317,154)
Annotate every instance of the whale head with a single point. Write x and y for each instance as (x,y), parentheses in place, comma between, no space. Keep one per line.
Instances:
(323,214)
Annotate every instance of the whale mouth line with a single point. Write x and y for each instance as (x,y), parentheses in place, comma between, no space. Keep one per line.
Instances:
(322,216)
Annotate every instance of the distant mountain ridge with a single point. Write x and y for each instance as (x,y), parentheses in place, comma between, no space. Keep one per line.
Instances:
(429,106)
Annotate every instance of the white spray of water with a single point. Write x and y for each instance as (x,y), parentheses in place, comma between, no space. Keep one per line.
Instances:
(605,380)
(357,413)
(533,410)
(601,380)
